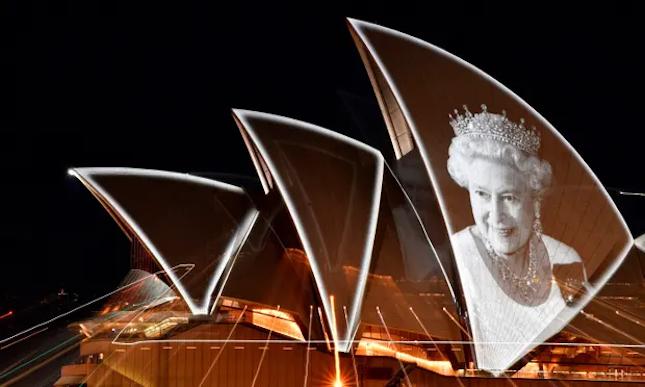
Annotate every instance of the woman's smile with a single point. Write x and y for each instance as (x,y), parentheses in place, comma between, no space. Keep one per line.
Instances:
(503,232)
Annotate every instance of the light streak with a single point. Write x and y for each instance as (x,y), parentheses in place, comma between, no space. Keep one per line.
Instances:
(351,350)
(161,296)
(420,323)
(50,350)
(403,342)
(140,312)
(631,193)
(311,316)
(389,338)
(454,320)
(215,341)
(334,329)
(264,352)
(8,314)
(635,320)
(221,349)
(416,317)
(23,338)
(89,303)
(611,327)
(241,117)
(84,330)
(18,361)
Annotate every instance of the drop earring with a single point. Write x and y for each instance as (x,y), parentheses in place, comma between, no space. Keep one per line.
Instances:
(537,223)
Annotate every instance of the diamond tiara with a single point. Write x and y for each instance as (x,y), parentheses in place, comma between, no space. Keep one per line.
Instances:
(496,127)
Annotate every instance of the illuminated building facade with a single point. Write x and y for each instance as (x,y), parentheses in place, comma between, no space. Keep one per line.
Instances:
(347,268)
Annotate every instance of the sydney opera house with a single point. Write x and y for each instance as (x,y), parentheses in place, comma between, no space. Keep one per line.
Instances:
(478,250)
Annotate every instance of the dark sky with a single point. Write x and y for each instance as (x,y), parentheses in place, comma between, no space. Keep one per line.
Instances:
(119,83)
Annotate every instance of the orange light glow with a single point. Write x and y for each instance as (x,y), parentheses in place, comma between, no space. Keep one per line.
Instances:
(334,328)
(84,331)
(373,348)
(277,321)
(274,312)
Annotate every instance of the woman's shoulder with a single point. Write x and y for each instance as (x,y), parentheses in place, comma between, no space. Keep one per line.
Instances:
(462,234)
(559,252)
(463,242)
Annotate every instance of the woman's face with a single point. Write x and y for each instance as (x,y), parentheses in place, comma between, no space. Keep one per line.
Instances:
(502,204)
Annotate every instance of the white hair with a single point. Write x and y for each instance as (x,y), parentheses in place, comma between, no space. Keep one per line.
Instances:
(463,150)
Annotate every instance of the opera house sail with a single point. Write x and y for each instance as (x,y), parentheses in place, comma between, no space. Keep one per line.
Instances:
(521,243)
(478,248)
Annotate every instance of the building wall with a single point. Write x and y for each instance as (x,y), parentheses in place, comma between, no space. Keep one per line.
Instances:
(186,363)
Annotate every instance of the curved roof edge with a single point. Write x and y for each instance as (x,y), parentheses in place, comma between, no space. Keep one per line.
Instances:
(269,170)
(132,228)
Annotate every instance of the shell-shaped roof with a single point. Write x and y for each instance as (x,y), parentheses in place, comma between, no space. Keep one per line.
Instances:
(376,242)
(180,219)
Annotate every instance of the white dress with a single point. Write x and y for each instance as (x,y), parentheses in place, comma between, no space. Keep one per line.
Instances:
(504,330)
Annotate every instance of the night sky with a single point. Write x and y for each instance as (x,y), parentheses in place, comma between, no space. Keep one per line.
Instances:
(88,83)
